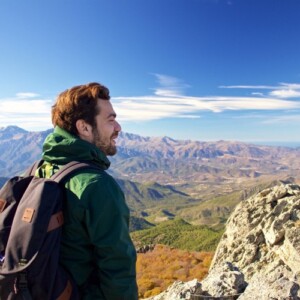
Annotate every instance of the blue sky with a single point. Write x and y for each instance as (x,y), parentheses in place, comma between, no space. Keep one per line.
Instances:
(188,69)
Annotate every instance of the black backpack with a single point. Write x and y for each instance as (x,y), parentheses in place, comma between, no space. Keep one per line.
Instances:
(30,232)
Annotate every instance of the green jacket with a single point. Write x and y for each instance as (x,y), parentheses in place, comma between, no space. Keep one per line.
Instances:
(96,246)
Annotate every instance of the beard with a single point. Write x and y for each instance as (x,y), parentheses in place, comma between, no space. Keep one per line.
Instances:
(105,144)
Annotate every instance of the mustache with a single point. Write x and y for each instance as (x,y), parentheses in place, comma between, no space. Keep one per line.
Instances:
(115,135)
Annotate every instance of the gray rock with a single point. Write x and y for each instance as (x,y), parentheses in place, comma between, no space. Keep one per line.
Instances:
(258,256)
(224,281)
(179,290)
(263,288)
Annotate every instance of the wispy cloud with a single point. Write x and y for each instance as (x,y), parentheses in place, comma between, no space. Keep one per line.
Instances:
(283,90)
(27,95)
(257,87)
(168,100)
(257,94)
(286,93)
(150,108)
(169,86)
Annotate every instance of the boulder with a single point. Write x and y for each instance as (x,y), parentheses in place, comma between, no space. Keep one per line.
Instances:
(258,256)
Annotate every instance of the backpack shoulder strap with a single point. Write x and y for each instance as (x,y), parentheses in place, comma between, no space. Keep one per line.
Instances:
(70,168)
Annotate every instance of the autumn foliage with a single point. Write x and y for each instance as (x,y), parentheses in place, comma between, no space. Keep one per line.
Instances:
(158,269)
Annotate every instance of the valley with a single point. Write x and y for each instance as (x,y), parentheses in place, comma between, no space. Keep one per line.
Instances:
(162,178)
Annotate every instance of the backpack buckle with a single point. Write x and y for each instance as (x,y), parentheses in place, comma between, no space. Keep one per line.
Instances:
(21,282)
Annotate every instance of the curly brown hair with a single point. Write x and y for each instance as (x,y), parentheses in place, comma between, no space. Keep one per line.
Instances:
(78,102)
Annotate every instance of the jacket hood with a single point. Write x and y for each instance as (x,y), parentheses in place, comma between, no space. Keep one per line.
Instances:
(61,147)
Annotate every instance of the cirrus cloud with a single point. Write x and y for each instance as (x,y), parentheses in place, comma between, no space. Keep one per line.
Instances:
(168,100)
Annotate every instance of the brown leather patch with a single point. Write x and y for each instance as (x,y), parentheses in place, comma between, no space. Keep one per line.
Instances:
(28,215)
(2,204)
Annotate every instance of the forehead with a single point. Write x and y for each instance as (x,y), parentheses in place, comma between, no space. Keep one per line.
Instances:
(106,108)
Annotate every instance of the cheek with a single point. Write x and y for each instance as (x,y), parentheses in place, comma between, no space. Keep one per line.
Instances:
(108,129)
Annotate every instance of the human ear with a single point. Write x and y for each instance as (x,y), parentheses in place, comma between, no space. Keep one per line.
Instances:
(85,130)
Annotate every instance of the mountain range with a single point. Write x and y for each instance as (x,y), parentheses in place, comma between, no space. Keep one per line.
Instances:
(163,177)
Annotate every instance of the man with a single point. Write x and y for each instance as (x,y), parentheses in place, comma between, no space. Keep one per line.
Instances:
(96,247)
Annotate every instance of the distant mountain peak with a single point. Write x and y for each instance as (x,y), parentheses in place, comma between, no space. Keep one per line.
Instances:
(11,131)
(12,128)
(168,140)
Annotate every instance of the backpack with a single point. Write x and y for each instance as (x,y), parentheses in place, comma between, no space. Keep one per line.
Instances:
(30,231)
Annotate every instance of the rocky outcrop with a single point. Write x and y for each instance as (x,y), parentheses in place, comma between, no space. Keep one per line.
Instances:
(225,280)
(258,256)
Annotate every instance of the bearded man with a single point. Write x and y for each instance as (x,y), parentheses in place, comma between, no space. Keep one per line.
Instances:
(96,247)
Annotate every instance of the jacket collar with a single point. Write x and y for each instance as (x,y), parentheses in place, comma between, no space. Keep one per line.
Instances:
(62,147)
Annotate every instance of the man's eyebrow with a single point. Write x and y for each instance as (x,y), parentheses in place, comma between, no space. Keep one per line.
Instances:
(112,115)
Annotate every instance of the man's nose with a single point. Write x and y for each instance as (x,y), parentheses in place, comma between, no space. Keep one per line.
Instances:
(118,127)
